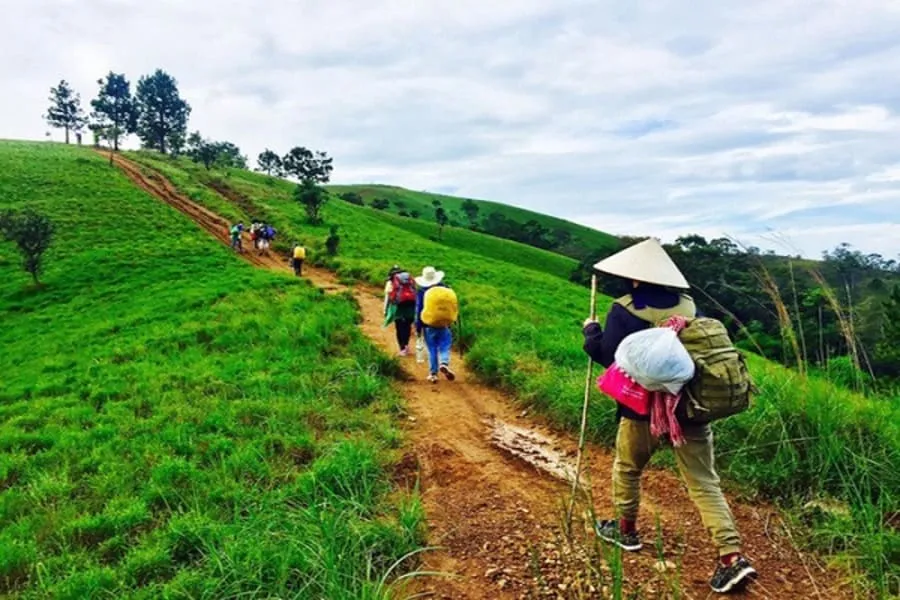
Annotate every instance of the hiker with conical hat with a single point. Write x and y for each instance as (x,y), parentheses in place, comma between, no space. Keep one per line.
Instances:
(436,310)
(400,293)
(657,293)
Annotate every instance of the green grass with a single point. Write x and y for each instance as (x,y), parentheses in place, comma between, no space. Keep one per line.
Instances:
(175,423)
(804,439)
(584,239)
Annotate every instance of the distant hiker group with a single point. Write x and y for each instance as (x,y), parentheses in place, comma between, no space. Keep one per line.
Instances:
(262,235)
(432,306)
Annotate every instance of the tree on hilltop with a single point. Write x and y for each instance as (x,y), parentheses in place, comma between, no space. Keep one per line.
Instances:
(162,113)
(212,153)
(440,215)
(306,165)
(470,208)
(313,199)
(201,150)
(353,198)
(229,155)
(270,163)
(65,109)
(114,115)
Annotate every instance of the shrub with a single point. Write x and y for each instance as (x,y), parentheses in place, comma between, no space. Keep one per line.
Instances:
(32,232)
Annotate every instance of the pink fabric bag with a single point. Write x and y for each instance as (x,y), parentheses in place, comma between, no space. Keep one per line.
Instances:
(624,390)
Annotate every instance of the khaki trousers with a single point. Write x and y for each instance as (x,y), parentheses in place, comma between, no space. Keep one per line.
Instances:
(696,462)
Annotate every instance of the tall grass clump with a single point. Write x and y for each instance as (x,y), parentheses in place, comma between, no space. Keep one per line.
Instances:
(822,443)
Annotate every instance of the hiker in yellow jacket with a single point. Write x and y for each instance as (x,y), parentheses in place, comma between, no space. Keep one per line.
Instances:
(657,293)
(298,255)
(436,310)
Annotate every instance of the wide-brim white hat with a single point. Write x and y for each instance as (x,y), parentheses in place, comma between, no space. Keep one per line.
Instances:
(429,276)
(647,262)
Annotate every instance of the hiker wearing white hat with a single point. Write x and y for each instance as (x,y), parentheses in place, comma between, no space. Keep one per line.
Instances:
(658,293)
(436,310)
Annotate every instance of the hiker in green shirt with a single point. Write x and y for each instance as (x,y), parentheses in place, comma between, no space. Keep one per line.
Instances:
(400,305)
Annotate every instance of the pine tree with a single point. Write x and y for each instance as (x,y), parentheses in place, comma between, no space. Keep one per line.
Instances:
(114,113)
(270,163)
(162,113)
(65,109)
(304,164)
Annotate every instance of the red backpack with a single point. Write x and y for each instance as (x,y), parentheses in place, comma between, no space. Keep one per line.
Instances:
(403,288)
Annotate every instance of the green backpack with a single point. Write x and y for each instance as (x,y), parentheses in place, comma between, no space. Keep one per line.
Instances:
(721,386)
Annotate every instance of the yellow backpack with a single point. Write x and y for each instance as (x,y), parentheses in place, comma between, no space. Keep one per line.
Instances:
(300,253)
(441,307)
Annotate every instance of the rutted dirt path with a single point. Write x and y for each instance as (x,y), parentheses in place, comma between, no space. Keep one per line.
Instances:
(493,483)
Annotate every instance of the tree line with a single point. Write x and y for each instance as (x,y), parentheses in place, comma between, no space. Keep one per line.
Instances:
(158,114)
(155,112)
(531,232)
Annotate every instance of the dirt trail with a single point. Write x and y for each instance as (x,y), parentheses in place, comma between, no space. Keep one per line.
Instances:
(493,483)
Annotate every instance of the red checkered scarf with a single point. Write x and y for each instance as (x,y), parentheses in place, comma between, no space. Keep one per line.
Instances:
(663,404)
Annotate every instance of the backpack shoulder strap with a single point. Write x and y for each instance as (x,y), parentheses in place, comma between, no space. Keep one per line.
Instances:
(685,308)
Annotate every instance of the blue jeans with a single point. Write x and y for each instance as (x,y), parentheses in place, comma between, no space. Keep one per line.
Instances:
(438,340)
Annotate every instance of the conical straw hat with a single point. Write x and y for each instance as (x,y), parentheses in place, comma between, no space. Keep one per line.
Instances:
(646,261)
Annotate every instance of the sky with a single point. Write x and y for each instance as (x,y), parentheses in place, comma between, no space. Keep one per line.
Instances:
(773,122)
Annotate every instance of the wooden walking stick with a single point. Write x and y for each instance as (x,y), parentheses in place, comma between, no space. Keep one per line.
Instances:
(584,413)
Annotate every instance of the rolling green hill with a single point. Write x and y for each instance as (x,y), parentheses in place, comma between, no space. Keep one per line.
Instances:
(134,432)
(584,240)
(163,432)
(803,439)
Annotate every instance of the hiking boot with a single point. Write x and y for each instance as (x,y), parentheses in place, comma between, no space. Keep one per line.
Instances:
(433,378)
(609,531)
(450,375)
(733,576)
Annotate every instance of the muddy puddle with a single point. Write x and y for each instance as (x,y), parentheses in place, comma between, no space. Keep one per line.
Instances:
(537,450)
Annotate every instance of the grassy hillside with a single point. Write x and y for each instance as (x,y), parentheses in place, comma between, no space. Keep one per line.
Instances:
(584,239)
(804,439)
(163,432)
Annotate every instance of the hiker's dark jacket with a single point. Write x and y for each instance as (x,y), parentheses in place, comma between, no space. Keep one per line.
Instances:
(655,302)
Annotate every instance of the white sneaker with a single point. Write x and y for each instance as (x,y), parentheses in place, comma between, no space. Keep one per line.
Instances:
(433,378)
(450,375)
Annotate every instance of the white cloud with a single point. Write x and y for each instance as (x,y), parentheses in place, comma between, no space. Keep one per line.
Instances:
(660,118)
